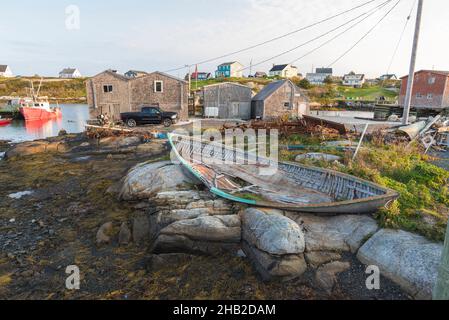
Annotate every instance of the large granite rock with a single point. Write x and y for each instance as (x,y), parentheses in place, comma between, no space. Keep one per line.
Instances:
(407,259)
(274,244)
(339,233)
(207,228)
(147,180)
(326,275)
(194,222)
(271,232)
(274,267)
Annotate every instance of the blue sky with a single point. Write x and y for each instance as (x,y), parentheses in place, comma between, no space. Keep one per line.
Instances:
(160,35)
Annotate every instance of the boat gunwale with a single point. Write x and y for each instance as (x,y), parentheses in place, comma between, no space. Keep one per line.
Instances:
(389,195)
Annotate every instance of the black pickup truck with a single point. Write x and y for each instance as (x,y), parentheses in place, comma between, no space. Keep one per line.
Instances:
(149,115)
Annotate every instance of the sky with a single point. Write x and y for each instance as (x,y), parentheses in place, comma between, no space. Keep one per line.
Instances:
(42,37)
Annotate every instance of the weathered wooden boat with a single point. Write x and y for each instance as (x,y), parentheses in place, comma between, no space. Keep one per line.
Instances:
(293,187)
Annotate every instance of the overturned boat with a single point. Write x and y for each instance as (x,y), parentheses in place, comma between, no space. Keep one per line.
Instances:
(292,187)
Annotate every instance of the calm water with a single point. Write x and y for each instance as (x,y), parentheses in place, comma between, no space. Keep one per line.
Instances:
(73,119)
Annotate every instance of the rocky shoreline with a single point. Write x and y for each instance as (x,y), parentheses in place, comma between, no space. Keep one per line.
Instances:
(141,228)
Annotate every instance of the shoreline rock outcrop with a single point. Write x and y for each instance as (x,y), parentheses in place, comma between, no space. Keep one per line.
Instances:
(407,259)
(274,243)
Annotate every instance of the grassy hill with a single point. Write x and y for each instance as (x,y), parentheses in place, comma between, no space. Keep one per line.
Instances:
(54,88)
(370,93)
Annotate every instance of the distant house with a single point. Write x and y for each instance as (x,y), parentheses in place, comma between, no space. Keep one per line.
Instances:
(354,80)
(278,99)
(135,74)
(430,90)
(229,70)
(199,76)
(260,74)
(70,73)
(388,77)
(319,76)
(112,93)
(227,100)
(5,71)
(283,71)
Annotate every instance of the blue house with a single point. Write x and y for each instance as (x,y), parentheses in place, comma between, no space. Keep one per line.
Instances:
(229,70)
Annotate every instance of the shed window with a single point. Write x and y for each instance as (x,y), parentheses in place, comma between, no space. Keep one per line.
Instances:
(158,86)
(107,88)
(419,95)
(287,105)
(432,80)
(429,96)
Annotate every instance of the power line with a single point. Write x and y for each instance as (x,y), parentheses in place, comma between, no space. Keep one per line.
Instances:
(368,13)
(336,36)
(400,38)
(365,35)
(276,38)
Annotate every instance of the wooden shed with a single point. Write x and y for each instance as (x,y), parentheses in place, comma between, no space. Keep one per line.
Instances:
(227,101)
(279,99)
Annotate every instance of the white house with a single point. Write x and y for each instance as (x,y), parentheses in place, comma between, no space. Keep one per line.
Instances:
(354,80)
(70,73)
(319,76)
(5,71)
(283,71)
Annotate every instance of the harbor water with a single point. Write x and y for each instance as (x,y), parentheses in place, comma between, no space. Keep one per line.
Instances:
(74,117)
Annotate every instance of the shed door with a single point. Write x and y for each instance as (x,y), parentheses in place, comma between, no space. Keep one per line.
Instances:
(211,112)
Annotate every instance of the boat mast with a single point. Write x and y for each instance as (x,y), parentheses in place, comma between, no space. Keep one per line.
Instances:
(411,75)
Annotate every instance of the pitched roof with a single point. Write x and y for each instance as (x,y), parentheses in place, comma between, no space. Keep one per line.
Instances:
(227,63)
(68,70)
(3,67)
(226,83)
(443,73)
(269,89)
(360,76)
(114,74)
(168,76)
(279,67)
(324,70)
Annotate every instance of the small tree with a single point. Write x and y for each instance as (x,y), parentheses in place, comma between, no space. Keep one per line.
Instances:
(305,84)
(328,80)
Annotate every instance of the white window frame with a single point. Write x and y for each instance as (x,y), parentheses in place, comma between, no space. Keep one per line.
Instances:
(430,96)
(432,80)
(156,82)
(419,96)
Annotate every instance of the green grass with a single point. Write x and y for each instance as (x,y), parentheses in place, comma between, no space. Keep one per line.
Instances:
(423,205)
(53,88)
(370,93)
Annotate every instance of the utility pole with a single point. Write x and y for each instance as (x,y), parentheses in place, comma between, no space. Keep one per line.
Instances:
(441,290)
(411,75)
(251,67)
(190,80)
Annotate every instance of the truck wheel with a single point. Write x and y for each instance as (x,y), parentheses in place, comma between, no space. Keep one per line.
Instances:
(131,123)
(167,123)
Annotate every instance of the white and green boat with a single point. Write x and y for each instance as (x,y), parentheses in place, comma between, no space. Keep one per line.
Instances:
(293,187)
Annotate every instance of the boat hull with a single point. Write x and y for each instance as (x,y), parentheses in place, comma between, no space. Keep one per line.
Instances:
(4,122)
(33,114)
(361,196)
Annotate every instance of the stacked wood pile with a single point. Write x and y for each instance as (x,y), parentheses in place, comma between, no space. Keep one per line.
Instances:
(306,125)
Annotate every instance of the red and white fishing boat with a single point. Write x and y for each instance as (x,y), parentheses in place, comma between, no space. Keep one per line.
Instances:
(37,108)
